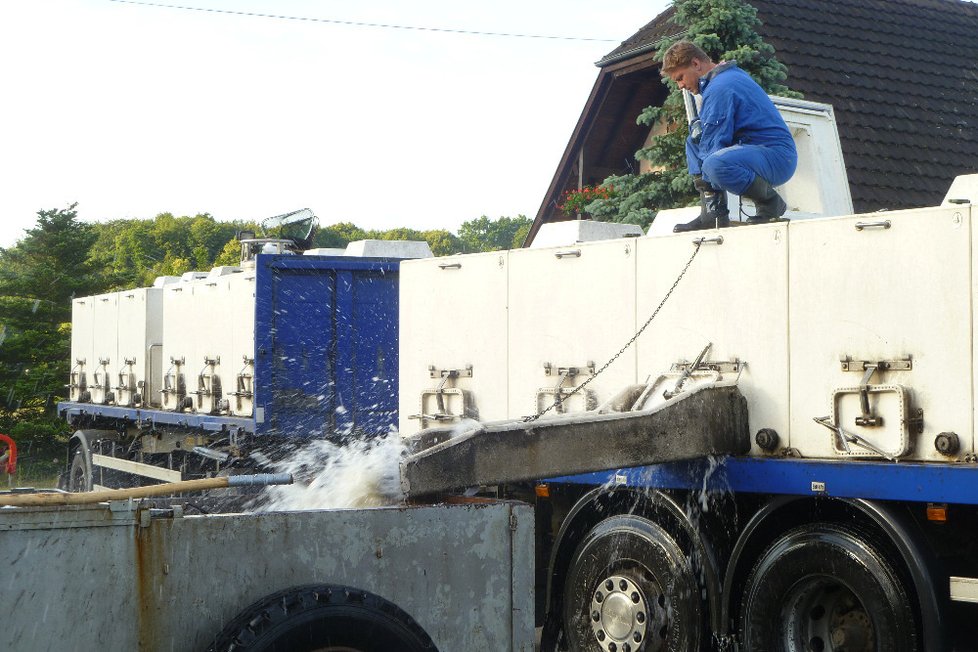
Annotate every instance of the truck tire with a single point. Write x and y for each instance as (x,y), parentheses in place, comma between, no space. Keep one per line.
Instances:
(630,587)
(79,475)
(826,587)
(323,617)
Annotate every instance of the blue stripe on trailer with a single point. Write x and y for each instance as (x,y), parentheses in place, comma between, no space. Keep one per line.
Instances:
(944,482)
(206,422)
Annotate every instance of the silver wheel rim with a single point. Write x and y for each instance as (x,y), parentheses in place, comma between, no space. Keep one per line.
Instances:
(621,616)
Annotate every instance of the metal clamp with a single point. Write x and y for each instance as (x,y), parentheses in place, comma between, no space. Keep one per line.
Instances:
(450,266)
(446,375)
(570,253)
(881,224)
(440,392)
(899,364)
(869,367)
(717,239)
(687,372)
(563,374)
(550,370)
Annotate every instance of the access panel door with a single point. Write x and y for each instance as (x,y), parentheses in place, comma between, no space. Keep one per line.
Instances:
(366,346)
(734,298)
(453,340)
(570,311)
(882,302)
(294,366)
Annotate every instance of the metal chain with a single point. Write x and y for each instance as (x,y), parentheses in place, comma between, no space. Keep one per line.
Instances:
(698,243)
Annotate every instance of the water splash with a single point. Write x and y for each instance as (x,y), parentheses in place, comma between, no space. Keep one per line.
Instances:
(361,473)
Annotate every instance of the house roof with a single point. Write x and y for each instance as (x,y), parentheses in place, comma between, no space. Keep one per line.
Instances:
(901,74)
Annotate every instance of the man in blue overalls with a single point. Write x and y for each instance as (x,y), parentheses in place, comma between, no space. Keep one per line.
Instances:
(741,144)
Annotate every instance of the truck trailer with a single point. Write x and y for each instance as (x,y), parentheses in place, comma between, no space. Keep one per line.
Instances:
(751,438)
(226,370)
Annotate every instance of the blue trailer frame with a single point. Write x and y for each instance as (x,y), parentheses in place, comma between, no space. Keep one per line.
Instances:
(900,481)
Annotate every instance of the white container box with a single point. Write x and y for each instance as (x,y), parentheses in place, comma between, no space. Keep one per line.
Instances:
(239,370)
(140,347)
(180,333)
(82,362)
(206,371)
(453,340)
(735,296)
(105,347)
(570,310)
(886,287)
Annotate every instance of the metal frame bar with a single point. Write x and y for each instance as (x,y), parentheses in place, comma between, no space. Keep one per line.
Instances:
(944,482)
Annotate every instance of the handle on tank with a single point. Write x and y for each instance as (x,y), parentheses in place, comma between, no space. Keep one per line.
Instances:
(881,224)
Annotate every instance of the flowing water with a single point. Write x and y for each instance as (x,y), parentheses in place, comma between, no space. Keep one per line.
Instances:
(326,475)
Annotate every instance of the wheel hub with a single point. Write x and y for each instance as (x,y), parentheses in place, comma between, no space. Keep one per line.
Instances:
(823,615)
(620,614)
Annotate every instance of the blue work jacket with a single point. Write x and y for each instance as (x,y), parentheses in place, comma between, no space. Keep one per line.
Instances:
(736,111)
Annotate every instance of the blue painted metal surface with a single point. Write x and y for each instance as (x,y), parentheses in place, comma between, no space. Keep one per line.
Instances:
(326,359)
(203,421)
(326,345)
(931,482)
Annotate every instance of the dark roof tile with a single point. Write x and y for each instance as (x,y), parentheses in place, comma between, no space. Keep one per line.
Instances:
(907,115)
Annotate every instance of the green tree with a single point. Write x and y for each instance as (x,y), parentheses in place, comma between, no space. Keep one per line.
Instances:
(338,235)
(50,263)
(484,234)
(38,278)
(133,252)
(726,30)
(442,242)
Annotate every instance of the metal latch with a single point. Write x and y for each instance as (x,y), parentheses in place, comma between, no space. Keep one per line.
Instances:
(445,374)
(440,392)
(550,370)
(559,392)
(869,367)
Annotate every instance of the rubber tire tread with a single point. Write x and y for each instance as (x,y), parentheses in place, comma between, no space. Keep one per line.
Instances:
(620,541)
(77,463)
(857,560)
(319,615)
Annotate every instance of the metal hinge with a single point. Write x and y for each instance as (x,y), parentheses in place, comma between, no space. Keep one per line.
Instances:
(445,374)
(549,369)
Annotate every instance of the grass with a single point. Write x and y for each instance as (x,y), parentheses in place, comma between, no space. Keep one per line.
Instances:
(34,471)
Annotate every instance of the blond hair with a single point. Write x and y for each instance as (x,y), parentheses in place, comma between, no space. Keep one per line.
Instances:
(681,54)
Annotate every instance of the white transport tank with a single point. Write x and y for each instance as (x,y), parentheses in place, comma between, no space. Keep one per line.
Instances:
(842,331)
(82,334)
(239,369)
(140,347)
(861,320)
(105,346)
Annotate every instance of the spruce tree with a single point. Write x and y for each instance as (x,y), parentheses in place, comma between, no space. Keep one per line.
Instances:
(725,30)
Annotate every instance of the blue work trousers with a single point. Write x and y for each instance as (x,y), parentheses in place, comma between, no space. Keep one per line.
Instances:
(733,168)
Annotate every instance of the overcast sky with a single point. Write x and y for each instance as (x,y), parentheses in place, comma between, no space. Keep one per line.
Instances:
(133,110)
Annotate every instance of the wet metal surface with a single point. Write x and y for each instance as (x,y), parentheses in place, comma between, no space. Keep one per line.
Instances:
(710,421)
(90,578)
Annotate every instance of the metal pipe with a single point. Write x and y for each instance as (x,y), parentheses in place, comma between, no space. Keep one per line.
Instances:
(184,486)
(211,454)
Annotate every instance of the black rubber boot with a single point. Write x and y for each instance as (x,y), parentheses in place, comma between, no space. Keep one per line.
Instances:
(766,200)
(713,210)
